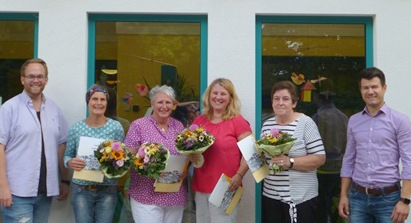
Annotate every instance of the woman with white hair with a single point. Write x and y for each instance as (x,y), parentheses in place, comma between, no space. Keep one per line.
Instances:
(159,127)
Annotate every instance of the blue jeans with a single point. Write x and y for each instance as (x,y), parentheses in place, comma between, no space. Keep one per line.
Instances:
(28,209)
(93,205)
(370,208)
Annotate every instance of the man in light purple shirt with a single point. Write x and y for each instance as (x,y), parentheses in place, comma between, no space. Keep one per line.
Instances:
(377,138)
(33,133)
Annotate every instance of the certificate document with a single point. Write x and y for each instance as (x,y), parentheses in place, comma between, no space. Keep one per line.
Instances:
(85,151)
(257,166)
(169,180)
(224,199)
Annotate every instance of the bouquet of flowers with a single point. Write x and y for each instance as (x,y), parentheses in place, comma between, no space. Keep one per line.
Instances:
(151,159)
(275,143)
(194,140)
(114,158)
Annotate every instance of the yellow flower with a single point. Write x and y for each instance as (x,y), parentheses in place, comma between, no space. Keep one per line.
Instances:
(273,140)
(104,157)
(108,149)
(152,151)
(117,154)
(139,162)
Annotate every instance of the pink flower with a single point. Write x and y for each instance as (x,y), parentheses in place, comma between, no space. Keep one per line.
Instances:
(146,159)
(275,132)
(116,146)
(141,152)
(193,127)
(120,163)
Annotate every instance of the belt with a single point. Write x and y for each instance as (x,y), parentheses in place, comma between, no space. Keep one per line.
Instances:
(92,187)
(376,191)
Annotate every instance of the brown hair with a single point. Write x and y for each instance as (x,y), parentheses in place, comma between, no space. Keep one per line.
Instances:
(370,73)
(288,85)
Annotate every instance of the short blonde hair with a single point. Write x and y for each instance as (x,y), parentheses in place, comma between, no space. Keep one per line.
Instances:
(234,105)
(34,60)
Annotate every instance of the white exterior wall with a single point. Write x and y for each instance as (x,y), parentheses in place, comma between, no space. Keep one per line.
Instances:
(63,31)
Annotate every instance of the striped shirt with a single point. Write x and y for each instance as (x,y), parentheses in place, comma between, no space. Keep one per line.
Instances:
(293,186)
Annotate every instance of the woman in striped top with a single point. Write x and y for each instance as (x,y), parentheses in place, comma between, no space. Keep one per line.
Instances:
(290,196)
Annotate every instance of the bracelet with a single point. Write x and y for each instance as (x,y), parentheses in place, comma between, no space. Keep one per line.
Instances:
(239,174)
(65,182)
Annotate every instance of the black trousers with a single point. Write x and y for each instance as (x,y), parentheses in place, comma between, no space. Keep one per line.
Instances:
(274,211)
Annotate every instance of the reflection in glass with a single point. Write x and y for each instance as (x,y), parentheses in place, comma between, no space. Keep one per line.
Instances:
(132,57)
(327,55)
(322,60)
(16,46)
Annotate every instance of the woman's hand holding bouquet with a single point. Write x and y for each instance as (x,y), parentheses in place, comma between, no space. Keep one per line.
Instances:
(273,144)
(151,159)
(114,158)
(193,141)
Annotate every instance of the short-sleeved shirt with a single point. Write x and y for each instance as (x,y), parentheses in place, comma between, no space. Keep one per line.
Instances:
(293,186)
(21,134)
(223,156)
(145,130)
(111,130)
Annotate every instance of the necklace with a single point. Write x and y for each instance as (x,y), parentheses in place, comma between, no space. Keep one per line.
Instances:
(163,127)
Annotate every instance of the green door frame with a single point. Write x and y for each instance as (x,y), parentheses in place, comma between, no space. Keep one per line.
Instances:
(93,18)
(368,23)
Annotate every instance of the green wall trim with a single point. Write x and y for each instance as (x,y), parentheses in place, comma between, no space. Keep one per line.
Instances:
(203,57)
(368,23)
(19,16)
(258,111)
(147,18)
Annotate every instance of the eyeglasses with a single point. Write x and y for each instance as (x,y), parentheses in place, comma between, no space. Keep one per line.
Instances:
(32,77)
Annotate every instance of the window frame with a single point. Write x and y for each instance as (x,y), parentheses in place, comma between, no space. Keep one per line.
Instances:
(260,19)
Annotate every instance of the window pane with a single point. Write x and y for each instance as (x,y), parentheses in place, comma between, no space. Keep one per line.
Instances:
(147,53)
(323,61)
(16,46)
(332,53)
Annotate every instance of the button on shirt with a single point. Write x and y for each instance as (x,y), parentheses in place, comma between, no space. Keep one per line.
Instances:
(374,146)
(20,132)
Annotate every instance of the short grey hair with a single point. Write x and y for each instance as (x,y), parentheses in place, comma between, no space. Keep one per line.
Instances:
(169,91)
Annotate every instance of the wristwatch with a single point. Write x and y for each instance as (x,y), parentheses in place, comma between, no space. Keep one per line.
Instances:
(405,200)
(291,163)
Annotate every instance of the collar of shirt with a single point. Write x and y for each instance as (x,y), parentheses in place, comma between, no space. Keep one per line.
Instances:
(383,109)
